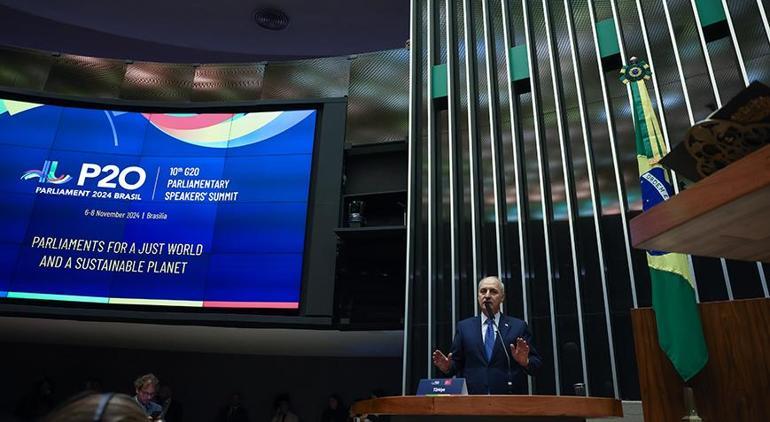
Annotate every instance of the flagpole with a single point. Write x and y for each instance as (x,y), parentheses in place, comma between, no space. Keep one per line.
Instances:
(662,114)
(679,328)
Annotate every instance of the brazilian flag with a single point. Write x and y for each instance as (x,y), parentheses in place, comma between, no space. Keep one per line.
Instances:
(673,291)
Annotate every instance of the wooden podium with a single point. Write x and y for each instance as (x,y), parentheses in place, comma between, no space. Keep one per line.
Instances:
(724,215)
(734,385)
(476,408)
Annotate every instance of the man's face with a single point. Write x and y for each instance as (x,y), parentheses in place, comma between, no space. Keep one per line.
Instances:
(146,393)
(489,292)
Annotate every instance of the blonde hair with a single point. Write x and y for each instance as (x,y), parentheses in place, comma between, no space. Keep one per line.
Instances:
(146,379)
(107,407)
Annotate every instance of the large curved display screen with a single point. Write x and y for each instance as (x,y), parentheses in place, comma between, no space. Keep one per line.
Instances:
(198,210)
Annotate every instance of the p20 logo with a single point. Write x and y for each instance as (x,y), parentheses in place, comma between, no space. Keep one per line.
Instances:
(129,178)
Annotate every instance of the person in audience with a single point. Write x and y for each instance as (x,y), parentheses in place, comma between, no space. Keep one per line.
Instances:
(95,407)
(234,410)
(146,386)
(283,411)
(335,410)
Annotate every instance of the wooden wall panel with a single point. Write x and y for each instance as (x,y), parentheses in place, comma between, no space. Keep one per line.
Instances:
(734,385)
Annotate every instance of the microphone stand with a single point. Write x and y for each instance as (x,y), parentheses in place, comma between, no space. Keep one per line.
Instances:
(505,349)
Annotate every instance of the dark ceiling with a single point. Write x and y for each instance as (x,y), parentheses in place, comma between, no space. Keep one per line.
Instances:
(203,31)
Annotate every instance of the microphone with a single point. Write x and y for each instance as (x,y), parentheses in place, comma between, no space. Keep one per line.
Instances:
(491,316)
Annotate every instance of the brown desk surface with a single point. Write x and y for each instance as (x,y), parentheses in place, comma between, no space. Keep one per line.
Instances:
(567,406)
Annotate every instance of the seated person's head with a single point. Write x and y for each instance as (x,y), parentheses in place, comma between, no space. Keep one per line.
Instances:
(107,407)
(146,386)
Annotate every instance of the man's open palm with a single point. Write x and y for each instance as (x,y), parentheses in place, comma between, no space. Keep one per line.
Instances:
(520,352)
(444,363)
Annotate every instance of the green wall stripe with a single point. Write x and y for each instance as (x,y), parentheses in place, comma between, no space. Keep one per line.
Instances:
(519,63)
(710,12)
(608,39)
(439,81)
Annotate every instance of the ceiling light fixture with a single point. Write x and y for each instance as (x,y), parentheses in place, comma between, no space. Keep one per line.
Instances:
(272,19)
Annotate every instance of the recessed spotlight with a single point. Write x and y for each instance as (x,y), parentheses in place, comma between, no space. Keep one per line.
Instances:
(272,19)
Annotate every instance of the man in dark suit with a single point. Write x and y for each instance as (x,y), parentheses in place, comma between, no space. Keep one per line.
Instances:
(479,356)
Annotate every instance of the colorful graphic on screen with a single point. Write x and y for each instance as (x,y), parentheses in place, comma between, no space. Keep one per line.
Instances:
(199,210)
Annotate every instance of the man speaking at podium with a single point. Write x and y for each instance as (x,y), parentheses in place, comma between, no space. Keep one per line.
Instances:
(493,352)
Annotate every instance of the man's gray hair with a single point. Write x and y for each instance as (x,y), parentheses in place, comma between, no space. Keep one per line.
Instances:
(146,379)
(492,277)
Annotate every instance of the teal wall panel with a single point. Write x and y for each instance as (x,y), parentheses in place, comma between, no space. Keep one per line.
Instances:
(710,12)
(608,40)
(439,81)
(519,63)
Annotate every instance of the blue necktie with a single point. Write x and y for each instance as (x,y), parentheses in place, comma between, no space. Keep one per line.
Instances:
(489,340)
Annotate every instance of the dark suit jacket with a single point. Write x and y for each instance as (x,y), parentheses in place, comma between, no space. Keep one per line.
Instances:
(470,362)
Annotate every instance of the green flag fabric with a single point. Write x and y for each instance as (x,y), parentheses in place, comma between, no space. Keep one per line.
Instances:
(673,291)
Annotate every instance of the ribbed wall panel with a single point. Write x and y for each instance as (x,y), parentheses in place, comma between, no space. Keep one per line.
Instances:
(314,78)
(157,82)
(234,82)
(378,99)
(86,76)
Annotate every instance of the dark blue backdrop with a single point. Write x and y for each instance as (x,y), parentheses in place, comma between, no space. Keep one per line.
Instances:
(252,243)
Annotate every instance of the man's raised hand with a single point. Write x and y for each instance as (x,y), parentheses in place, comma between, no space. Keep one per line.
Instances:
(444,363)
(520,352)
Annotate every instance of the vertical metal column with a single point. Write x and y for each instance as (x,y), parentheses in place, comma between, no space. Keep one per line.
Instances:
(518,168)
(541,167)
(568,183)
(613,147)
(762,279)
(470,80)
(517,165)
(592,183)
(678,59)
(493,134)
(452,139)
(763,15)
(706,54)
(411,144)
(737,46)
(431,119)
